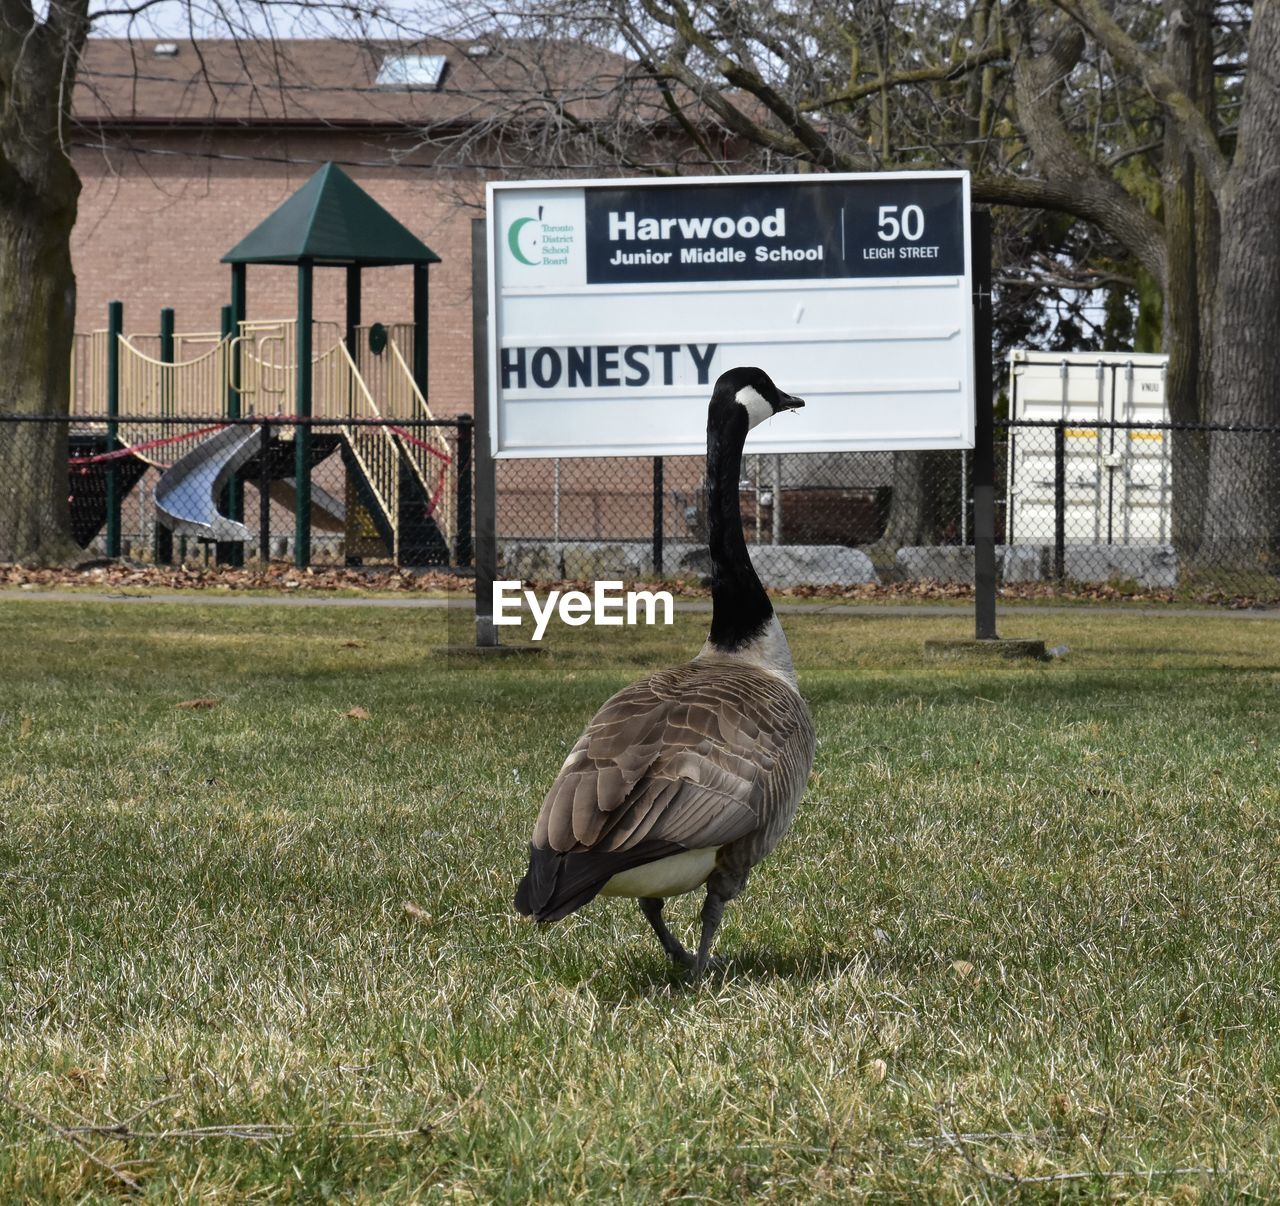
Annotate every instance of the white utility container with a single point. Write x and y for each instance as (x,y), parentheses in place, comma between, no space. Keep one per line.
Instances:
(1117,482)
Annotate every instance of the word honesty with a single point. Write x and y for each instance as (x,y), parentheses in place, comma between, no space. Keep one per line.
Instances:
(607,605)
(606,365)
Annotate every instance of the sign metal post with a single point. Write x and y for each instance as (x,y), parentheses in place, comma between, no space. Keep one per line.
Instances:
(484,478)
(984,454)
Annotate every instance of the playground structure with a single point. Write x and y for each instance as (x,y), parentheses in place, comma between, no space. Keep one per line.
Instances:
(265,402)
(401,480)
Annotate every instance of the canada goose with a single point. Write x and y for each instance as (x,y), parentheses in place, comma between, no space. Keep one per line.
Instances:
(692,775)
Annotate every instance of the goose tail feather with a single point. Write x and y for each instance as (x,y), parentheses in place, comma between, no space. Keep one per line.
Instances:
(557,884)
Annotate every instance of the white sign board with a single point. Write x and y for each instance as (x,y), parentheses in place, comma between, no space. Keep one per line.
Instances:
(615,304)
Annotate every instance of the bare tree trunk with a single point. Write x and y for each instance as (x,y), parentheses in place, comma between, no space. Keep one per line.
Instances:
(37,315)
(1190,221)
(1242,520)
(39,190)
(906,523)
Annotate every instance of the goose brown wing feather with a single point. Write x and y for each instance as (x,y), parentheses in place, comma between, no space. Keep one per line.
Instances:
(688,756)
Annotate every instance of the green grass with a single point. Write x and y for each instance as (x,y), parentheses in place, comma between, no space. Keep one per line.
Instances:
(1024,926)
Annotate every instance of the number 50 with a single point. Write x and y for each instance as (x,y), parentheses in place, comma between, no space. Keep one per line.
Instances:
(911,226)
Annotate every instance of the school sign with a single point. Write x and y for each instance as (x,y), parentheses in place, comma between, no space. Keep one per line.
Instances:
(615,305)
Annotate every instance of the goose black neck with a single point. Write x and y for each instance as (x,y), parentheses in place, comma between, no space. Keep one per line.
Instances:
(740,609)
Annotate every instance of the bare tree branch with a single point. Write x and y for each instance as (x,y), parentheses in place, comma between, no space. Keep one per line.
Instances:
(1198,134)
(897,79)
(1079,185)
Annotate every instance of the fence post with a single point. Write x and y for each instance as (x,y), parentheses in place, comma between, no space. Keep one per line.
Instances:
(658,515)
(231,552)
(984,435)
(775,488)
(462,510)
(264,497)
(486,480)
(115,328)
(1059,500)
(162,542)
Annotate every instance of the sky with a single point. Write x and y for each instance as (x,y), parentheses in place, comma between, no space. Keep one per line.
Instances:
(239,18)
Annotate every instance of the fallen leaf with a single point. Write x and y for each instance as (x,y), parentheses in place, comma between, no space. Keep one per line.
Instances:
(358,713)
(962,968)
(24,730)
(82,1074)
(198,705)
(877,1070)
(417,913)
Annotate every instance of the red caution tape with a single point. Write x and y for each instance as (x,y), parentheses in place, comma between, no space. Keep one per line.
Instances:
(413,439)
(133,449)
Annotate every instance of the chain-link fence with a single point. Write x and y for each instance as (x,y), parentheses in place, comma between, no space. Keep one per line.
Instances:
(177,491)
(1191,510)
(1170,511)
(1183,511)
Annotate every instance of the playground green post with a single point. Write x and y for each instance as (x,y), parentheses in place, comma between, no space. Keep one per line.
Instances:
(302,438)
(115,328)
(420,309)
(162,537)
(231,552)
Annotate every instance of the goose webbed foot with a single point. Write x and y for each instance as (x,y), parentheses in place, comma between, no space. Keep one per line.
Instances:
(651,907)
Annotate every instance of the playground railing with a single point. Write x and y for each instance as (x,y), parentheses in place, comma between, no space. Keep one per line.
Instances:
(268,373)
(89,372)
(155,389)
(269,362)
(339,392)
(429,458)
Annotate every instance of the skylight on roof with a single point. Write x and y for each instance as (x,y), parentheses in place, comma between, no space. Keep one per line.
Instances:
(411,71)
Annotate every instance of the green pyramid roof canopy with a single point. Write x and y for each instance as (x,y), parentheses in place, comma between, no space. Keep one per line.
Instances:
(331,220)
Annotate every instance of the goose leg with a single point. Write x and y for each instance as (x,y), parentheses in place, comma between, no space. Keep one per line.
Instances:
(712,912)
(651,907)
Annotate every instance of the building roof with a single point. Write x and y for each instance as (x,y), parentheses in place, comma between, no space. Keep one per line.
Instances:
(330,220)
(329,82)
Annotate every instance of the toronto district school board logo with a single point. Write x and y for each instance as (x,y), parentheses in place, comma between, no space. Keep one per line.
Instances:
(537,243)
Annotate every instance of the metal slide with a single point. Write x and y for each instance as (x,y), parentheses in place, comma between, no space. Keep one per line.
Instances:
(188,491)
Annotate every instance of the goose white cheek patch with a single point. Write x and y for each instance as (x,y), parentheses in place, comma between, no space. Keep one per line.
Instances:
(757,408)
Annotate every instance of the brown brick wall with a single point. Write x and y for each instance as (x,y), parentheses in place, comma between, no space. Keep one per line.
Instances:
(153,227)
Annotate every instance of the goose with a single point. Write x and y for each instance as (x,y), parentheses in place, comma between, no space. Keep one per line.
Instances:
(691,776)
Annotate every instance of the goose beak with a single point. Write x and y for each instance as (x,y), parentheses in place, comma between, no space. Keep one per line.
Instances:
(789,402)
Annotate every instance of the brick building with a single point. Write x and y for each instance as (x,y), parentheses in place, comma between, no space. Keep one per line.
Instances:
(183,147)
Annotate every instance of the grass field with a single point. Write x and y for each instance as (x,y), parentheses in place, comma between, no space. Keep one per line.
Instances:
(1020,944)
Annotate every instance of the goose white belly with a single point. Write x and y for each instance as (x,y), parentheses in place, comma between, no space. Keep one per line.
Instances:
(670,876)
